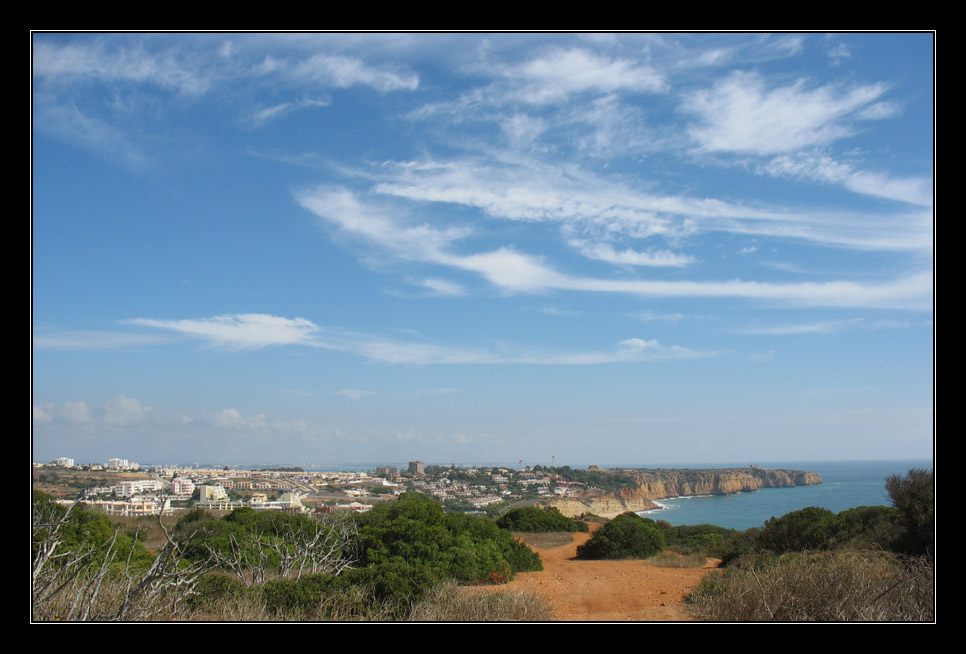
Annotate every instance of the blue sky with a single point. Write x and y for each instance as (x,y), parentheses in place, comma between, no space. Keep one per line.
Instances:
(636,248)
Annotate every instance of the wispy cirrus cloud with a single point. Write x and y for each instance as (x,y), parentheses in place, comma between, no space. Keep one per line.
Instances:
(161,76)
(268,114)
(423,354)
(791,330)
(517,271)
(256,331)
(628,257)
(741,114)
(597,210)
(97,61)
(340,71)
(240,331)
(558,73)
(823,168)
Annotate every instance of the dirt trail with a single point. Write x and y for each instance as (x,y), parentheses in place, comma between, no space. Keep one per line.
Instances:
(609,590)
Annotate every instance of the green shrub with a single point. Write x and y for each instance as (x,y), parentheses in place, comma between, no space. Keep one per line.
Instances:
(710,540)
(914,497)
(807,529)
(288,595)
(532,519)
(628,536)
(868,527)
(469,549)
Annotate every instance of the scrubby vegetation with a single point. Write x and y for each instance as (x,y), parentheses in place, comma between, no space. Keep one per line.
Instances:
(271,566)
(532,519)
(628,536)
(864,564)
(820,586)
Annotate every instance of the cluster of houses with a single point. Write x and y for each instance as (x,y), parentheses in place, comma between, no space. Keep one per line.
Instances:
(169,488)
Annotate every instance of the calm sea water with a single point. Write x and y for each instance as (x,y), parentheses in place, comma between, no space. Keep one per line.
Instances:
(847,484)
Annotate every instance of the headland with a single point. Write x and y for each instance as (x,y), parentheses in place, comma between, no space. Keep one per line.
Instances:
(655,484)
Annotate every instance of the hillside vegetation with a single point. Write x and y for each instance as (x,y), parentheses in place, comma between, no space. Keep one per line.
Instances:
(249,565)
(407,560)
(865,564)
(536,520)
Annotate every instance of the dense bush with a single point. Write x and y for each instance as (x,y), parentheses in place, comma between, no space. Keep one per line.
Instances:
(806,529)
(710,540)
(628,536)
(813,528)
(914,497)
(532,519)
(415,529)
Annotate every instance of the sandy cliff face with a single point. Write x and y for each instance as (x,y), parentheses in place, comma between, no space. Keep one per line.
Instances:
(659,484)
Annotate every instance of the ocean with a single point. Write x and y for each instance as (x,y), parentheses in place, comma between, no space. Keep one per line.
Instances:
(846,484)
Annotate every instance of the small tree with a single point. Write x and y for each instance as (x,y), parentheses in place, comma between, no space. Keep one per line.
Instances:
(914,496)
(628,536)
(806,529)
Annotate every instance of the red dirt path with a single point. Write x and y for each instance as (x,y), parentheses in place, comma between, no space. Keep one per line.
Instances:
(609,590)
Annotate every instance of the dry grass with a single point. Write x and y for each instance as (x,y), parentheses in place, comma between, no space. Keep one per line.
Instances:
(547,540)
(669,559)
(449,602)
(842,586)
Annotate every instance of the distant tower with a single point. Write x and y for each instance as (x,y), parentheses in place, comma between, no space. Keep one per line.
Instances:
(553,460)
(417,467)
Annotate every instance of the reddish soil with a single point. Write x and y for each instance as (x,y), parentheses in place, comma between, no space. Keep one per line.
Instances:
(610,591)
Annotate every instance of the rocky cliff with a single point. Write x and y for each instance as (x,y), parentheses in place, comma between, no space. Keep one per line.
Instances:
(663,483)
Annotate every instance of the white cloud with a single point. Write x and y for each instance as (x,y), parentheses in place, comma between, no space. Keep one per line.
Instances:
(90,133)
(75,412)
(241,331)
(741,115)
(822,168)
(508,269)
(837,52)
(269,114)
(342,72)
(341,208)
(442,287)
(650,316)
(629,257)
(791,330)
(356,394)
(93,60)
(427,354)
(516,271)
(591,208)
(559,73)
(124,411)
(234,420)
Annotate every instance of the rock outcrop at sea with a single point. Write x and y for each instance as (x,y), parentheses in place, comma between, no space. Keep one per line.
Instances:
(656,484)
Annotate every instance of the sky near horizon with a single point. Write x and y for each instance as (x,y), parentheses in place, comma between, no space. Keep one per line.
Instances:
(370,248)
